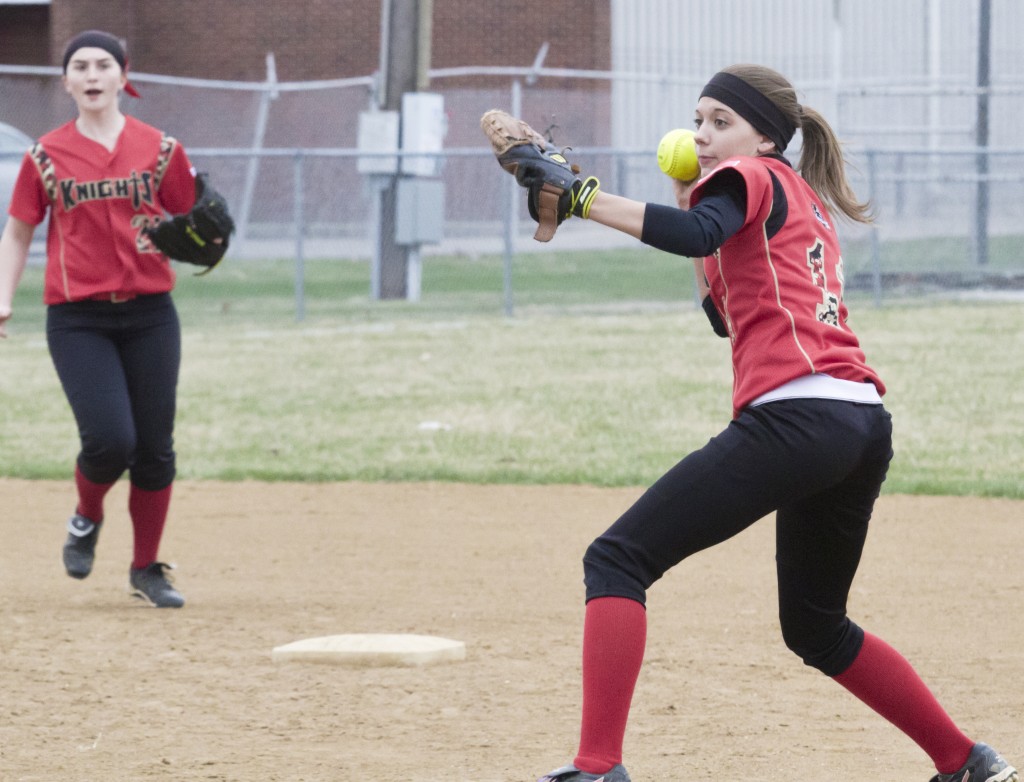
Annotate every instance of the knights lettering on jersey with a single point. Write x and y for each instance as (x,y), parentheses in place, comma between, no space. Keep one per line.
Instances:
(138,188)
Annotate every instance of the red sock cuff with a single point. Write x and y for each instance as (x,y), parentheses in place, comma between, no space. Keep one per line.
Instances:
(148,510)
(90,496)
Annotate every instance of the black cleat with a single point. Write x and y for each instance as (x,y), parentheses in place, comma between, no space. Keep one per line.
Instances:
(573,774)
(80,546)
(151,584)
(984,764)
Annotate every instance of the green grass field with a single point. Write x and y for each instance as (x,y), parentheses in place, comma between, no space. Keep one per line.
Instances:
(607,374)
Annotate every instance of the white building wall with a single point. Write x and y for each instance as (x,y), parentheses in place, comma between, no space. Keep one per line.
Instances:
(866,65)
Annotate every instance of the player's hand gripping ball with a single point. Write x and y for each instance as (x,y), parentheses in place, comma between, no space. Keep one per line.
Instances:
(677,155)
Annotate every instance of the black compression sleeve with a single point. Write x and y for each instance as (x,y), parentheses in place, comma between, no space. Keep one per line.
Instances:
(701,230)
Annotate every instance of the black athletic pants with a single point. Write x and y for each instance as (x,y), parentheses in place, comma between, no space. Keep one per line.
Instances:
(118,364)
(818,463)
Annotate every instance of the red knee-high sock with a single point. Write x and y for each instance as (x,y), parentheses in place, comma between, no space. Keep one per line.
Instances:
(90,497)
(614,637)
(885,681)
(148,510)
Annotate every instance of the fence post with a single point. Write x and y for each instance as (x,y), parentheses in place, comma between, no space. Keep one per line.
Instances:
(981,135)
(510,217)
(876,250)
(268,94)
(300,232)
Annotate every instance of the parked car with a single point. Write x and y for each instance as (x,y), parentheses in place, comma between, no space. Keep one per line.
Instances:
(13,145)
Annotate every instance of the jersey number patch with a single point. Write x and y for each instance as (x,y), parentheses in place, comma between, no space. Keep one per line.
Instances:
(828,310)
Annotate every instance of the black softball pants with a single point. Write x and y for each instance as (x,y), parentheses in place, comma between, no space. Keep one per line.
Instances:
(818,463)
(118,364)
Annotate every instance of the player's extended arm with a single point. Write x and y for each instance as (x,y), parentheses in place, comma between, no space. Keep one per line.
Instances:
(618,212)
(14,244)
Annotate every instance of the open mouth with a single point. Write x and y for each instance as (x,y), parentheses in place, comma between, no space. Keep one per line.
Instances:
(94,92)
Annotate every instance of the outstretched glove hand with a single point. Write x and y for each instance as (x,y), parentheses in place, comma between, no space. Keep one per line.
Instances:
(555,190)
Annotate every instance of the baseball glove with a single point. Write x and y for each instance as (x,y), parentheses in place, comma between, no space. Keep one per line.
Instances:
(192,237)
(555,189)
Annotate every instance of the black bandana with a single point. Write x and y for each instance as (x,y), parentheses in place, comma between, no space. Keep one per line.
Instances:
(100,40)
(753,106)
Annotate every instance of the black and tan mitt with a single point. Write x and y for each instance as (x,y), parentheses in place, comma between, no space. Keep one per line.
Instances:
(200,236)
(556,191)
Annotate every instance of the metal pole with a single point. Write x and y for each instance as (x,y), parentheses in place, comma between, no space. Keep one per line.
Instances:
(837,64)
(510,213)
(934,66)
(981,136)
(376,188)
(876,250)
(268,94)
(414,274)
(300,249)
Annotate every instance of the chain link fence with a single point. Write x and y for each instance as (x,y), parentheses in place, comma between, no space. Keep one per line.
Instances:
(286,155)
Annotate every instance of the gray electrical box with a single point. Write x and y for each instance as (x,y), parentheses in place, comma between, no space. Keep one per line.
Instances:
(419,211)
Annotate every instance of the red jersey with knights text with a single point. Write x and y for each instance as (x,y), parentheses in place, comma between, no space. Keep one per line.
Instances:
(781,298)
(99,202)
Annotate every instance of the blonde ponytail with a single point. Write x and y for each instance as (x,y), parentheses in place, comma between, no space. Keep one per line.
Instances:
(823,167)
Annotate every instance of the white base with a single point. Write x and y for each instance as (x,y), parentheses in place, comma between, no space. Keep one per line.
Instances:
(371,649)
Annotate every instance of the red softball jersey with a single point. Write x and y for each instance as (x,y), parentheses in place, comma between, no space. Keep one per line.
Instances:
(100,202)
(781,298)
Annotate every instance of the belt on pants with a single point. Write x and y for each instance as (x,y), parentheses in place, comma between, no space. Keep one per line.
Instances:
(115,297)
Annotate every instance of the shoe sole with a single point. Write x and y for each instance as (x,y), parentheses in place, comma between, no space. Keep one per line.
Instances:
(140,595)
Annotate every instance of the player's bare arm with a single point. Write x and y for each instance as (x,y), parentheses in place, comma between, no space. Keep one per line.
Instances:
(14,244)
(618,212)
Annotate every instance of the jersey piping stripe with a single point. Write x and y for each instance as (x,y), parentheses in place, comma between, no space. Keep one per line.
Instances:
(59,228)
(778,297)
(725,297)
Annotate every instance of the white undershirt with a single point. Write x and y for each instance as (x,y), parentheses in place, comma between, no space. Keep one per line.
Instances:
(821,386)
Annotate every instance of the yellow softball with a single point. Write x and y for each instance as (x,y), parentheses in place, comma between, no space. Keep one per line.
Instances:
(677,155)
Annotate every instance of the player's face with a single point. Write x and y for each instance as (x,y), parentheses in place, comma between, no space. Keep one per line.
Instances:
(721,134)
(94,79)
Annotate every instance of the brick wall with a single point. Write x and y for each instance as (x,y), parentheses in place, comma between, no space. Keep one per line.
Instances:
(310,39)
(70,17)
(470,32)
(22,35)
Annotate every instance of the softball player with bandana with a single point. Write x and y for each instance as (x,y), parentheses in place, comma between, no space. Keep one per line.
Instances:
(106,180)
(809,440)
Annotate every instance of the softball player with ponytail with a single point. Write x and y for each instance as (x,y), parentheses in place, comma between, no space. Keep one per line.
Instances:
(809,440)
(112,329)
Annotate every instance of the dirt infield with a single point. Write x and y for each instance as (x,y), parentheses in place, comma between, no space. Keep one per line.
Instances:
(95,687)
